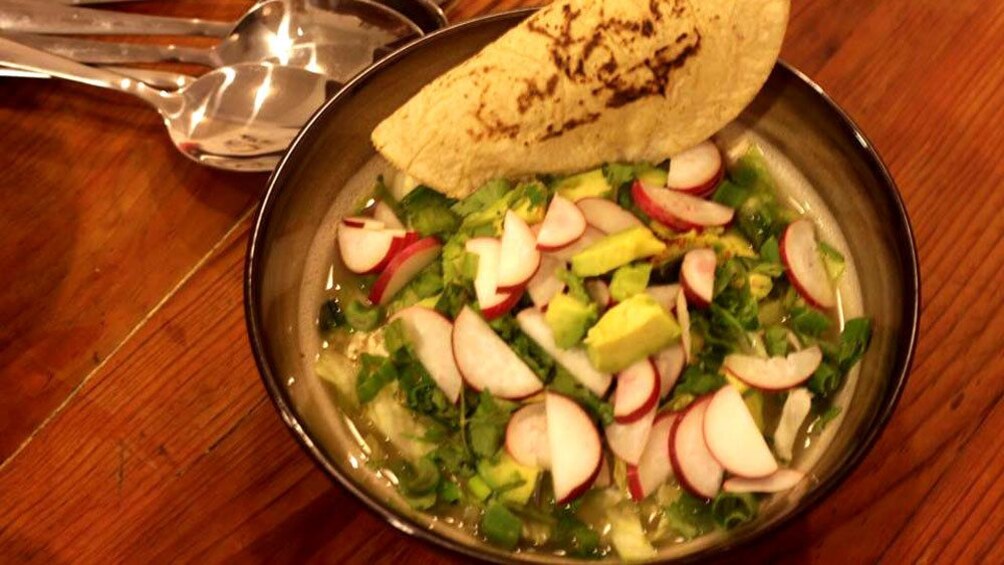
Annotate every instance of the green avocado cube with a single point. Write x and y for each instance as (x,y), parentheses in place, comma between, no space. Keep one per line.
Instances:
(615,251)
(590,184)
(630,280)
(631,330)
(514,482)
(569,319)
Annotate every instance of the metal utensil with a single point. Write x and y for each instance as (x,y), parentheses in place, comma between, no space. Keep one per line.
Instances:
(45,17)
(158,79)
(336,44)
(238,118)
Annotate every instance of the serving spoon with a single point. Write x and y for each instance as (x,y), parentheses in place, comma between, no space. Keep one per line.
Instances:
(158,79)
(338,44)
(239,118)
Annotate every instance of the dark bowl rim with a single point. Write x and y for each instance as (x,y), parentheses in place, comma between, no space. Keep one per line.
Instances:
(276,391)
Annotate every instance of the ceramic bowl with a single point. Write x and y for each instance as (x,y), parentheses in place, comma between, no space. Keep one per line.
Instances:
(286,272)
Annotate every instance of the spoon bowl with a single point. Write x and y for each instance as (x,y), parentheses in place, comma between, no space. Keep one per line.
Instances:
(241,117)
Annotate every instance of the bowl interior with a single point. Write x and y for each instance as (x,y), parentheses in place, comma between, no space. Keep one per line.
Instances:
(293,244)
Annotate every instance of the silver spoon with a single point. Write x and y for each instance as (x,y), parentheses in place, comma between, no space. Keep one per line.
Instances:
(158,79)
(238,118)
(336,44)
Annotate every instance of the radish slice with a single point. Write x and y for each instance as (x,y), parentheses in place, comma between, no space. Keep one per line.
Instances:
(637,391)
(531,321)
(733,437)
(491,302)
(800,253)
(678,210)
(781,480)
(576,450)
(683,316)
(796,409)
(589,237)
(694,466)
(486,361)
(431,335)
(518,258)
(563,224)
(599,291)
(607,216)
(775,373)
(627,441)
(382,212)
(526,437)
(665,294)
(364,222)
(654,467)
(404,267)
(697,170)
(669,364)
(364,250)
(545,284)
(698,276)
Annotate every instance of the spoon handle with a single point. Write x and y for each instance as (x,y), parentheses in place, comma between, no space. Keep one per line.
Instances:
(158,79)
(41,17)
(13,54)
(107,53)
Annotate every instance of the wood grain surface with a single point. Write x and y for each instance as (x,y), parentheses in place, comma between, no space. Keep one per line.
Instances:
(133,427)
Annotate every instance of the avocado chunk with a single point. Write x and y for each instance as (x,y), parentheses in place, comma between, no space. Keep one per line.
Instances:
(513,482)
(630,280)
(651,176)
(631,330)
(569,319)
(590,184)
(616,250)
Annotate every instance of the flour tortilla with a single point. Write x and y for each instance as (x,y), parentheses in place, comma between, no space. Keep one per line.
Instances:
(586,82)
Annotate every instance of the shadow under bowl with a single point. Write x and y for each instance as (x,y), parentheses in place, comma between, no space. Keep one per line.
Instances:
(283,286)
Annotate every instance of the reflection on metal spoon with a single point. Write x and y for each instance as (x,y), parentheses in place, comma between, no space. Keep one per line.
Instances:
(240,117)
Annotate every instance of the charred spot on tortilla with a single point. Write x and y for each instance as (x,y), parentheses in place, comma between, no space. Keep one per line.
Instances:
(585,82)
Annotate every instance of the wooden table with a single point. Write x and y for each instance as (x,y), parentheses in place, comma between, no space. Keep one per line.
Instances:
(133,426)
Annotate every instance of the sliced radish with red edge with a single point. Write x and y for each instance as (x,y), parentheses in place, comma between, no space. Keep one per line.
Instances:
(628,441)
(733,438)
(637,391)
(365,222)
(363,250)
(518,257)
(431,338)
(697,275)
(576,450)
(654,467)
(589,237)
(693,464)
(669,364)
(545,283)
(665,294)
(697,170)
(403,268)
(800,254)
(526,437)
(607,216)
(774,373)
(486,361)
(678,210)
(563,224)
(491,301)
